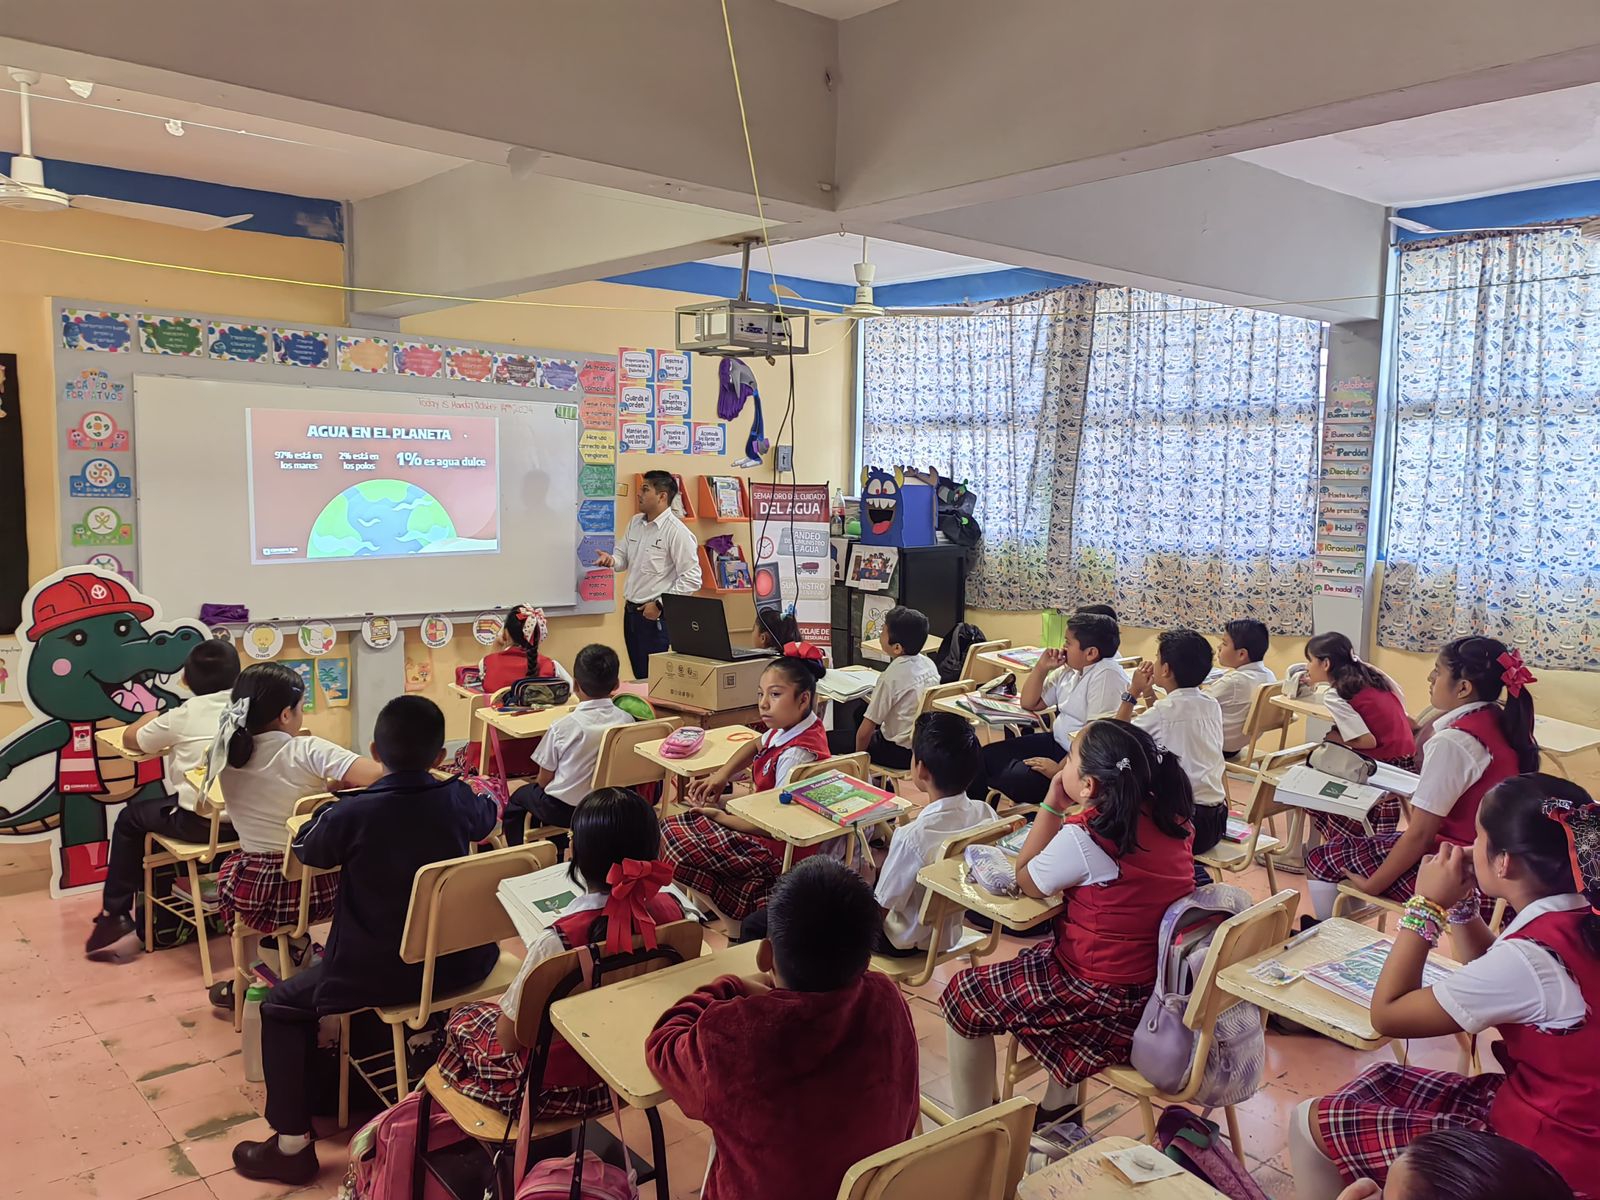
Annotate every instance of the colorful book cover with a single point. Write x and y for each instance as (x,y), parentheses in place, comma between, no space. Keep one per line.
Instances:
(1026,657)
(843,799)
(1355,976)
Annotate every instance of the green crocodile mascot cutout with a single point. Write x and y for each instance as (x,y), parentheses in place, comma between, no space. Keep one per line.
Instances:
(95,656)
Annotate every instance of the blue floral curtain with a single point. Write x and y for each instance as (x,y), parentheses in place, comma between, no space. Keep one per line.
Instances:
(995,400)
(1495,512)
(1195,496)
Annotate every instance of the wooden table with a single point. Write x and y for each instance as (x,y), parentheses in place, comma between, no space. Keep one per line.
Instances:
(608,1026)
(466,693)
(949,879)
(1328,1013)
(709,718)
(795,825)
(1310,707)
(111,739)
(715,752)
(1082,1176)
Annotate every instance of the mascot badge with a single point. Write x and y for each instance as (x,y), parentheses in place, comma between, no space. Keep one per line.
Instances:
(95,656)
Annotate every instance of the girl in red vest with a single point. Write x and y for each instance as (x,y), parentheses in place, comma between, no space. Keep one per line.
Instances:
(515,656)
(615,840)
(1538,848)
(1369,715)
(717,853)
(1478,740)
(1073,1000)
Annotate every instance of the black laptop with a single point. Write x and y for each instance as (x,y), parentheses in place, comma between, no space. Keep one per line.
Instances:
(698,625)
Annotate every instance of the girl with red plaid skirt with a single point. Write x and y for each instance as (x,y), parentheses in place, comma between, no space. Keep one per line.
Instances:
(724,857)
(270,768)
(1369,715)
(1477,741)
(1538,848)
(1074,999)
(615,840)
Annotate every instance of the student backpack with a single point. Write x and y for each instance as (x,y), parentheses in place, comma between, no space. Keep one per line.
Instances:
(1163,1047)
(1191,1142)
(953,654)
(534,692)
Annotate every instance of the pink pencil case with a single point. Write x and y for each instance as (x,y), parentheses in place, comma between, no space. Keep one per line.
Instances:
(683,743)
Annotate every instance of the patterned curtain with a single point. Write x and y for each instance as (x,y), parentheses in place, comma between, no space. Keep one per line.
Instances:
(1196,477)
(995,400)
(1495,520)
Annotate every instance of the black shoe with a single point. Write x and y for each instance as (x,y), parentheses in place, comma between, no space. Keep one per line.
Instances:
(221,995)
(263,1160)
(115,936)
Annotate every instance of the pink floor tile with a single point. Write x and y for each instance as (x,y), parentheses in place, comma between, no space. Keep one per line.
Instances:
(150,1173)
(208,1115)
(214,1154)
(182,1087)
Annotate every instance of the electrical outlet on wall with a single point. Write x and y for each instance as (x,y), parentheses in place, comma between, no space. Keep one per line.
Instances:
(786,458)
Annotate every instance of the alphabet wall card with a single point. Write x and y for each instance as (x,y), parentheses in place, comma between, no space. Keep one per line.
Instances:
(100,480)
(559,373)
(102,525)
(364,355)
(516,370)
(239,343)
(300,348)
(420,360)
(108,332)
(97,431)
(93,387)
(184,336)
(473,366)
(639,365)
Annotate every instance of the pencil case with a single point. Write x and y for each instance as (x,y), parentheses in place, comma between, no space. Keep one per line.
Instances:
(991,869)
(683,743)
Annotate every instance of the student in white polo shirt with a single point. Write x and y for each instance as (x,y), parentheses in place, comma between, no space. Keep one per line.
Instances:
(885,729)
(567,754)
(1244,645)
(1186,722)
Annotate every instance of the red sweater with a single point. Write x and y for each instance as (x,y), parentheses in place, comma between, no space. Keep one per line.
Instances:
(797,1087)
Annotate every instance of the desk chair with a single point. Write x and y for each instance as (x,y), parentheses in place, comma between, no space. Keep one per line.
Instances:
(981,1157)
(453,907)
(970,666)
(1237,857)
(887,777)
(1355,905)
(1263,718)
(163,851)
(856,765)
(618,765)
(553,979)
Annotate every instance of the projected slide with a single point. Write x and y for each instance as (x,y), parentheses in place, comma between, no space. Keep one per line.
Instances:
(336,485)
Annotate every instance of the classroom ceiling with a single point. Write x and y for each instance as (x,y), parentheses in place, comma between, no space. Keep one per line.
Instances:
(839,10)
(114,127)
(832,259)
(1507,145)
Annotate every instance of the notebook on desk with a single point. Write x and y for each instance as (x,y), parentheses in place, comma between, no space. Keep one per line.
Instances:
(1308,788)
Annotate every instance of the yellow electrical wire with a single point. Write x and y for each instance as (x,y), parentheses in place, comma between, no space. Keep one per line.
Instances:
(750,154)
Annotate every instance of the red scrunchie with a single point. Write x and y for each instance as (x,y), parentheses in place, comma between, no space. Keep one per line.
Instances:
(634,883)
(1515,676)
(803,650)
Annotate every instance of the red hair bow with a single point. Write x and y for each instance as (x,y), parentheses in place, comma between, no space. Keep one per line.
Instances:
(803,650)
(1515,676)
(634,883)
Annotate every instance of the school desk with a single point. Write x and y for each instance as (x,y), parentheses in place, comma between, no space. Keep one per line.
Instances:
(111,739)
(518,725)
(608,1026)
(948,878)
(1560,740)
(951,704)
(796,826)
(465,692)
(865,673)
(709,718)
(1083,1176)
(1344,1020)
(715,752)
(871,648)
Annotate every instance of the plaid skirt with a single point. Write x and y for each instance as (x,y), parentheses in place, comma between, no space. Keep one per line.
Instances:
(736,870)
(1074,1027)
(1370,1121)
(1384,818)
(475,1063)
(1364,855)
(251,887)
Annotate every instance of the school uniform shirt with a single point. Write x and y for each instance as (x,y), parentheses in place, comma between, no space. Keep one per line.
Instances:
(1235,692)
(1455,760)
(572,747)
(1516,981)
(261,795)
(1188,722)
(1080,696)
(659,556)
(796,1087)
(379,838)
(184,735)
(893,707)
(912,848)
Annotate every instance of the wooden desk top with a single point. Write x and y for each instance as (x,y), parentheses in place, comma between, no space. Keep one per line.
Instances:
(795,823)
(1326,1012)
(466,693)
(528,724)
(111,739)
(1561,738)
(1305,706)
(948,878)
(608,1026)
(715,752)
(872,650)
(1082,1176)
(869,674)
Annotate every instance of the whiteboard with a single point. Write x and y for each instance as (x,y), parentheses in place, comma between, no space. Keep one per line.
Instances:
(205,447)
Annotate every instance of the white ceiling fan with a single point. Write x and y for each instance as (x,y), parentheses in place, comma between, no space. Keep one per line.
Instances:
(1588,230)
(25,188)
(863,307)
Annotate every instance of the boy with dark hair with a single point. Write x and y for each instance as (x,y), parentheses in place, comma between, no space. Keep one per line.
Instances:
(184,735)
(379,838)
(1244,645)
(1187,722)
(885,730)
(1095,610)
(944,758)
(1083,680)
(771,1061)
(567,754)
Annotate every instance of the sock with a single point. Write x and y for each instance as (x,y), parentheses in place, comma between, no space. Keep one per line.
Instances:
(1323,894)
(1062,1095)
(1315,1175)
(293,1143)
(972,1067)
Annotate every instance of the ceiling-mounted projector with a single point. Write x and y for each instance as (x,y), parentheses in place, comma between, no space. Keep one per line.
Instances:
(742,327)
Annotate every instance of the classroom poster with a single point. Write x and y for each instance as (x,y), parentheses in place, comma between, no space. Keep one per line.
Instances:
(307,671)
(419,668)
(636,437)
(672,402)
(637,364)
(793,568)
(184,336)
(262,641)
(333,680)
(637,401)
(364,355)
(598,376)
(516,370)
(710,437)
(238,343)
(559,373)
(672,437)
(300,348)
(436,631)
(380,632)
(317,638)
(109,332)
(673,366)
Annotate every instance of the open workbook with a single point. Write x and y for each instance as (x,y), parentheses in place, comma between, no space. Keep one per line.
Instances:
(1306,787)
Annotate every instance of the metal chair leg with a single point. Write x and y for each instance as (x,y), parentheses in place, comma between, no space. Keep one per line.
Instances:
(202,935)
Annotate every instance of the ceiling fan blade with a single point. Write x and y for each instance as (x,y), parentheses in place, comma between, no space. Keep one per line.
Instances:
(788,293)
(160,214)
(953,310)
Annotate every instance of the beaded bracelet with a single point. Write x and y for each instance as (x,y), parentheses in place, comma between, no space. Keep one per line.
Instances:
(1428,906)
(1465,911)
(1423,918)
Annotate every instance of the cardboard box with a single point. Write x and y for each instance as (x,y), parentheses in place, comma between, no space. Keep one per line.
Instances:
(705,683)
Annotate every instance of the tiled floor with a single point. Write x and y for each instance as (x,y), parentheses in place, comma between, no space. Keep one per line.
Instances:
(119,1082)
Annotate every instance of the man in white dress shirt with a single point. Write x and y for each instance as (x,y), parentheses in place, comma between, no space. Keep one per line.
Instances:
(661,556)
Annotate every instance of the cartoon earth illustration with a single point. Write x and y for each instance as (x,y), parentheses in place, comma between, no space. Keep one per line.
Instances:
(92,663)
(379,517)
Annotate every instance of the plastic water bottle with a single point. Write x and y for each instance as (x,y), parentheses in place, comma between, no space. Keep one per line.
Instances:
(253,997)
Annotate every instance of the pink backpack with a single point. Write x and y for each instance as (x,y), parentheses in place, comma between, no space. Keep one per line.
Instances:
(553,1179)
(382,1151)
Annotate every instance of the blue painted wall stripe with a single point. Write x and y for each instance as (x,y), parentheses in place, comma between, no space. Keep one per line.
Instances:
(1559,203)
(707,279)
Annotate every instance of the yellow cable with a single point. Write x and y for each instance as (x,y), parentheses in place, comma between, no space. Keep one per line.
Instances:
(750,154)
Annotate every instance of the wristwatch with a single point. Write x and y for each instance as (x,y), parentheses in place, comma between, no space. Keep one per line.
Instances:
(1129,698)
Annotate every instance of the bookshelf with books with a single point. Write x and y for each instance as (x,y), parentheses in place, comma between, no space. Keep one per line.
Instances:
(723,498)
(722,573)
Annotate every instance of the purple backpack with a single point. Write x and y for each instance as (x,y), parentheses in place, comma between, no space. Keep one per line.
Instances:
(1192,1143)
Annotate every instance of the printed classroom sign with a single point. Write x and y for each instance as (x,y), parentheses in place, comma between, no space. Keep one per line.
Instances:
(638,364)
(300,348)
(239,343)
(486,628)
(637,400)
(364,355)
(672,367)
(1349,591)
(516,370)
(380,632)
(436,630)
(102,526)
(184,336)
(471,366)
(597,586)
(93,387)
(672,402)
(597,447)
(108,332)
(100,480)
(597,481)
(420,360)
(97,431)
(637,437)
(710,438)
(599,376)
(672,437)
(559,373)
(598,412)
